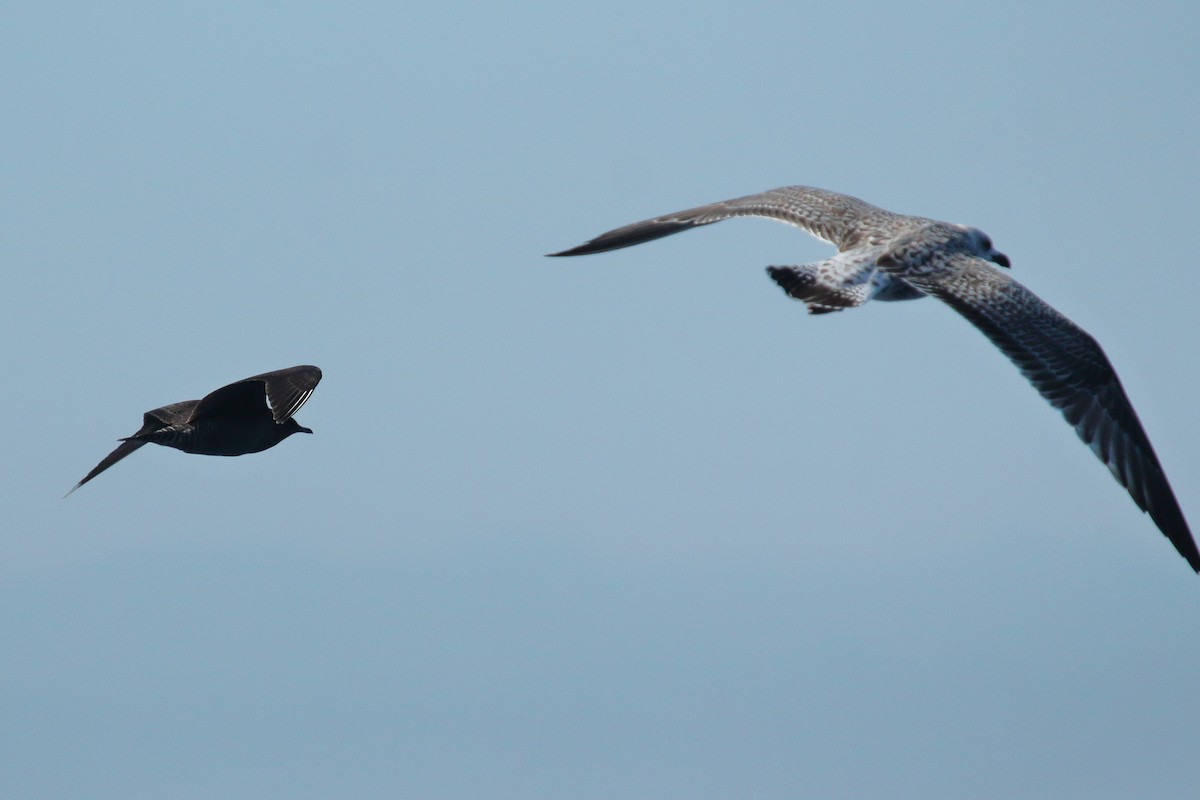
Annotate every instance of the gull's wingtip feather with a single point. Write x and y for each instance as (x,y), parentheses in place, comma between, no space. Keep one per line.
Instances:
(588,248)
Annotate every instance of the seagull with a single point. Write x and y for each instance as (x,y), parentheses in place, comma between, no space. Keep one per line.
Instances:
(248,416)
(887,256)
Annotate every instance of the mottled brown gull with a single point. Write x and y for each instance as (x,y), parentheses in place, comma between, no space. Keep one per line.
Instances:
(887,256)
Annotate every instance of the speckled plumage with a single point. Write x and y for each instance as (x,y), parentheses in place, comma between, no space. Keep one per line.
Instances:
(860,231)
(247,416)
(887,256)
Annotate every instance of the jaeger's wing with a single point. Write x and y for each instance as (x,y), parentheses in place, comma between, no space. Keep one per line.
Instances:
(283,391)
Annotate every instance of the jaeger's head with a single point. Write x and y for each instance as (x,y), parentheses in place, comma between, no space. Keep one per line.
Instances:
(290,426)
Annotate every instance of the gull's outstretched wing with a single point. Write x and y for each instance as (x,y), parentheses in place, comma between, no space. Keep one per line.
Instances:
(1069,369)
(840,219)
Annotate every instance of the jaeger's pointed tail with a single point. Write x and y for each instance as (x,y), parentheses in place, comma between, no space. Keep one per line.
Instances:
(126,447)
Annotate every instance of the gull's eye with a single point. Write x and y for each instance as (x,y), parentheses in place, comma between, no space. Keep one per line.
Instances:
(984,242)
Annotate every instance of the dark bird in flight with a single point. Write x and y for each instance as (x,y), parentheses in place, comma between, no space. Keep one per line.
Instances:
(248,416)
(887,256)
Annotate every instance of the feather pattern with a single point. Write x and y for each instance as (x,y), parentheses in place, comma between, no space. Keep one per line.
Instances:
(1069,369)
(887,256)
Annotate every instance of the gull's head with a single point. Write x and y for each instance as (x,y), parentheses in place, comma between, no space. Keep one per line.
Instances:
(983,246)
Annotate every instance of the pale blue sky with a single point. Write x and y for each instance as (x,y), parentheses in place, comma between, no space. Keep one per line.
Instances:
(631,525)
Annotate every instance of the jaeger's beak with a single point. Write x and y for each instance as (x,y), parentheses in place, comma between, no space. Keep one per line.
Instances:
(302,429)
(1002,260)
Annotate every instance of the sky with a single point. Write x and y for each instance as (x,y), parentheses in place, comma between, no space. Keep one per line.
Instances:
(629,525)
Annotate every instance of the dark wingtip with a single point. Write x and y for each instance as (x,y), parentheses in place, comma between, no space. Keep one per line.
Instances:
(629,235)
(585,249)
(1187,549)
(1190,553)
(1163,508)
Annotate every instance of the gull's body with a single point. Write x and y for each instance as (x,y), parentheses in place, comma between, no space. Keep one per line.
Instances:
(887,256)
(247,416)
